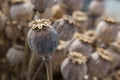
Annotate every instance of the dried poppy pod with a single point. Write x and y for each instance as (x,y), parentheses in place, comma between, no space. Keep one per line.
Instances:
(73,5)
(58,10)
(21,11)
(65,28)
(74,67)
(42,37)
(82,45)
(2,20)
(107,30)
(15,55)
(99,63)
(41,5)
(12,31)
(116,45)
(115,58)
(96,7)
(80,20)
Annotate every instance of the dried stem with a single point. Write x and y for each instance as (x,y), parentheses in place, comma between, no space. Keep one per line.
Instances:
(39,68)
(31,66)
(48,65)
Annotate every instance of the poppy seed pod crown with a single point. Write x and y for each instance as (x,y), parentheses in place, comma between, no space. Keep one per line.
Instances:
(42,37)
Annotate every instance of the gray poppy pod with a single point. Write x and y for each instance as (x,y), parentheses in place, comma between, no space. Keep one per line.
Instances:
(12,31)
(65,28)
(15,55)
(42,37)
(96,7)
(82,44)
(2,21)
(41,5)
(80,20)
(81,47)
(99,63)
(21,11)
(74,67)
(107,30)
(116,58)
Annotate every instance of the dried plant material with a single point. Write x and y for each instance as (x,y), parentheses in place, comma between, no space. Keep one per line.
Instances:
(109,19)
(91,34)
(87,39)
(42,37)
(116,45)
(79,16)
(58,11)
(77,57)
(62,45)
(104,54)
(68,18)
(96,7)
(84,37)
(76,35)
(40,24)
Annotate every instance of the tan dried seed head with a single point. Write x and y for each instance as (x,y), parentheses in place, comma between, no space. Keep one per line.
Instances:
(104,54)
(77,57)
(40,24)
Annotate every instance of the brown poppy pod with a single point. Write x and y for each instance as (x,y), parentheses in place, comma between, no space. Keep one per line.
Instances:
(15,55)
(42,37)
(80,20)
(82,44)
(74,67)
(99,63)
(58,10)
(107,30)
(96,7)
(12,31)
(41,5)
(65,28)
(21,11)
(2,21)
(73,5)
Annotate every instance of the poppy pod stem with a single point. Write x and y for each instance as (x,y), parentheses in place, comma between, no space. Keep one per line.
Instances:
(48,65)
(39,68)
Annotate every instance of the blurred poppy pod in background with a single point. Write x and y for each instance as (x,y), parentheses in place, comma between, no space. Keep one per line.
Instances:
(82,45)
(58,10)
(12,29)
(15,55)
(41,5)
(80,20)
(21,11)
(74,67)
(65,28)
(96,7)
(73,5)
(99,63)
(107,30)
(42,37)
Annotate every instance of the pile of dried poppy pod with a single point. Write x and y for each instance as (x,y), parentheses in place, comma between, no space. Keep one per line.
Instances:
(59,40)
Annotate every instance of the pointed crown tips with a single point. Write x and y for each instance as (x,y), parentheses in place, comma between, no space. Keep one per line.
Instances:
(39,24)
(104,54)
(76,57)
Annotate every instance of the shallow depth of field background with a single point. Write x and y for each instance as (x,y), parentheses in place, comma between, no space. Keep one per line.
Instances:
(98,19)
